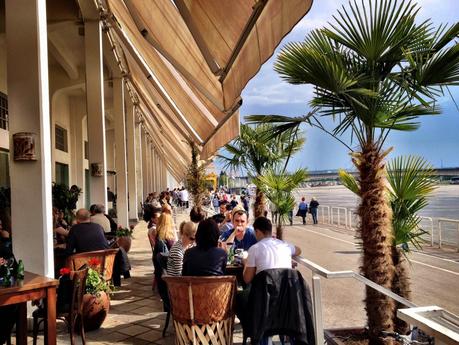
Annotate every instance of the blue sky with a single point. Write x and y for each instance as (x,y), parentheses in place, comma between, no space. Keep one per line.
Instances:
(437,139)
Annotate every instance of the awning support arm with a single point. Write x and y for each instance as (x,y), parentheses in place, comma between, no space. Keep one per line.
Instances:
(257,10)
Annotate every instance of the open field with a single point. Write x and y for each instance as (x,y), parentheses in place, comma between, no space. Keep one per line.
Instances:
(444,203)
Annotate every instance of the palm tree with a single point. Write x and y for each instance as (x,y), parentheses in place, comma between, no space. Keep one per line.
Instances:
(278,186)
(374,70)
(195,178)
(411,181)
(257,152)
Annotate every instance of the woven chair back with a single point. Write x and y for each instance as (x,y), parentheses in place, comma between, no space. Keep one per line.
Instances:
(201,300)
(78,290)
(105,259)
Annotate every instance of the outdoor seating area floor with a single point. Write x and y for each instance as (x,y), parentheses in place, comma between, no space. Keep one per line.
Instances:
(136,312)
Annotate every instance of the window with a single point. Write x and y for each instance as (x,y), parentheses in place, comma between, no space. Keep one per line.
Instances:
(62,173)
(86,150)
(61,138)
(3,111)
(4,169)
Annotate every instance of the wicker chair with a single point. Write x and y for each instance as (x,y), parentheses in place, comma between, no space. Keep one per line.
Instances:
(202,309)
(70,313)
(106,259)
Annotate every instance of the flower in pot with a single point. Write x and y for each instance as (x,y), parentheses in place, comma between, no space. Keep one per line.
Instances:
(96,301)
(124,238)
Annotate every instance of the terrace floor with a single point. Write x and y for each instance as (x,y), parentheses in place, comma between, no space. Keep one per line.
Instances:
(136,313)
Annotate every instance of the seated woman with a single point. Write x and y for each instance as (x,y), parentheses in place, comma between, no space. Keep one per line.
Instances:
(59,230)
(206,259)
(165,238)
(175,260)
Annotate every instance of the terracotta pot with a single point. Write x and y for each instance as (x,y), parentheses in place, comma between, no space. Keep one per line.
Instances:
(95,310)
(124,242)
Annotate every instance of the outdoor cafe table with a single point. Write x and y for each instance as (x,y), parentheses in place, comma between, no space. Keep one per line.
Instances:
(32,287)
(236,270)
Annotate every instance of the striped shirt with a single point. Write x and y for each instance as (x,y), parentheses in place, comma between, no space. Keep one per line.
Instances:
(175,260)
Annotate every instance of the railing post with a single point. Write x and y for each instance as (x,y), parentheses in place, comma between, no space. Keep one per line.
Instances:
(458,237)
(318,322)
(345,218)
(331,216)
(439,233)
(339,216)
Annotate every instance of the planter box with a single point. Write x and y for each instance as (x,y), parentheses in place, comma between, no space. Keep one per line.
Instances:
(343,336)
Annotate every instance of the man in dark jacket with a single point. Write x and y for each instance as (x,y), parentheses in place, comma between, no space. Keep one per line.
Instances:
(85,236)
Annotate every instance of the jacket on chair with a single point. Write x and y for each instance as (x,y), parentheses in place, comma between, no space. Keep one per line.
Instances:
(279,304)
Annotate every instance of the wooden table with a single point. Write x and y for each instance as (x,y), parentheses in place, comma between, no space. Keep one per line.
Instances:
(32,287)
(236,270)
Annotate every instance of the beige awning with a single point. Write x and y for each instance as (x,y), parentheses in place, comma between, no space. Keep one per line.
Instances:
(191,58)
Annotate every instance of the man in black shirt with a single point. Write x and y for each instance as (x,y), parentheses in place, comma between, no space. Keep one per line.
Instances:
(85,236)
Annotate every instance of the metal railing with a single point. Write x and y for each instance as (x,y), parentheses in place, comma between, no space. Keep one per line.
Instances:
(443,221)
(346,217)
(338,209)
(431,228)
(318,272)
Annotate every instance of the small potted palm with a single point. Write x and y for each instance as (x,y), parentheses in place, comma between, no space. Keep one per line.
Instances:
(124,238)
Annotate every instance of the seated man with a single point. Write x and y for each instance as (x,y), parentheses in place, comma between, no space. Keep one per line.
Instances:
(242,235)
(85,236)
(98,216)
(268,252)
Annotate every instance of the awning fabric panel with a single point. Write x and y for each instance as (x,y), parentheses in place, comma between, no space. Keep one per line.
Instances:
(166,25)
(275,21)
(228,131)
(221,24)
(184,85)
(185,102)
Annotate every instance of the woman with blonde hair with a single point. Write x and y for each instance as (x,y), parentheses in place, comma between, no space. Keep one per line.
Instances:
(187,237)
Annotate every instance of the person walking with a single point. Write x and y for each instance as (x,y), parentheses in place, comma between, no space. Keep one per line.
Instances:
(313,206)
(303,209)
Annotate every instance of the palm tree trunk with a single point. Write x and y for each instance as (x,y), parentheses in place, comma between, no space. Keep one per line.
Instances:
(279,229)
(375,234)
(400,286)
(259,204)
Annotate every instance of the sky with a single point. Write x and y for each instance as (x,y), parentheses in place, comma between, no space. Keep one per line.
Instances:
(437,140)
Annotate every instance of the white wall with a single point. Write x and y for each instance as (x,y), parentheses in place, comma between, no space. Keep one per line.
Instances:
(60,115)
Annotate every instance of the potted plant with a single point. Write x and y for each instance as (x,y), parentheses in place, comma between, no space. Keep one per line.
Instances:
(65,199)
(96,301)
(124,238)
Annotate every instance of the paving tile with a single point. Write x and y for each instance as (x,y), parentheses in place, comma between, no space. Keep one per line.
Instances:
(150,336)
(134,330)
(115,337)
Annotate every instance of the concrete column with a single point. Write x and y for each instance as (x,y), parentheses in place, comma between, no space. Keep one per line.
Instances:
(131,163)
(139,166)
(154,177)
(95,109)
(120,154)
(28,101)
(77,115)
(153,173)
(144,163)
(156,165)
